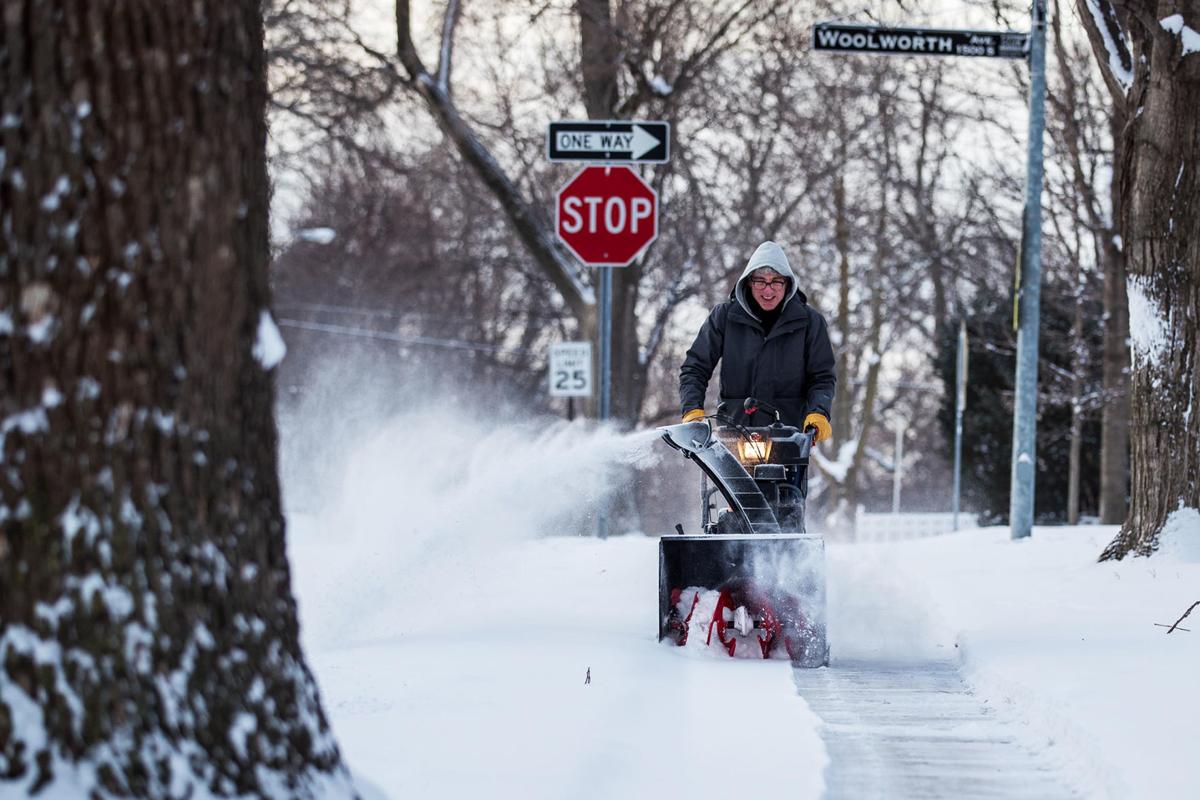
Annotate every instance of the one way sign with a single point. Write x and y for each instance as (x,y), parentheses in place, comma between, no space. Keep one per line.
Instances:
(622,141)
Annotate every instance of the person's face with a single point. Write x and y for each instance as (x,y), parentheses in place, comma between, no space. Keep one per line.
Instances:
(768,288)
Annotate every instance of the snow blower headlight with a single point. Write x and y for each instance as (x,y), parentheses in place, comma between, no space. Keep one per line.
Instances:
(755,450)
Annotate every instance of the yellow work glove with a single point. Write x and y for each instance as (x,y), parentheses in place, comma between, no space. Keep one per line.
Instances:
(694,415)
(818,421)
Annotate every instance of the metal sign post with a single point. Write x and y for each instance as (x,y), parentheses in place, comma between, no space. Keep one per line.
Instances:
(1024,459)
(897,466)
(606,275)
(606,282)
(960,404)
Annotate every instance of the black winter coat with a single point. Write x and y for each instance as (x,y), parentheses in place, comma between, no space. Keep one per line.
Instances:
(792,367)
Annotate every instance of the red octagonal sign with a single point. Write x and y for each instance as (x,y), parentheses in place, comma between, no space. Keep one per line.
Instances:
(607,215)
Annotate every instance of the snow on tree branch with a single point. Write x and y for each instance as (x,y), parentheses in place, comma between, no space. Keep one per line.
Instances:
(1190,36)
(837,469)
(1108,27)
(675,295)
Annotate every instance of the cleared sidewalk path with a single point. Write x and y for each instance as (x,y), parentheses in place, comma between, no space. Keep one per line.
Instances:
(915,731)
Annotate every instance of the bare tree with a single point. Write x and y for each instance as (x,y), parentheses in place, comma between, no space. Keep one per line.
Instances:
(149,642)
(647,53)
(1086,133)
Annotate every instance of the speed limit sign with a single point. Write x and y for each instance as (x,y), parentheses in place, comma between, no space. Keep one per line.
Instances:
(571,369)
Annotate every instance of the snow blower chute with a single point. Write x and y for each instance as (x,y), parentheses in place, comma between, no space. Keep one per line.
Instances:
(753,582)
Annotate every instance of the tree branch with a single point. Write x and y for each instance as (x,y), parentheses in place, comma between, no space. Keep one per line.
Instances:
(1185,616)
(1110,42)
(405,48)
(530,226)
(674,297)
(449,22)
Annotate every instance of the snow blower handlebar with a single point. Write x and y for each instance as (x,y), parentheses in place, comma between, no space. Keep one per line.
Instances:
(752,404)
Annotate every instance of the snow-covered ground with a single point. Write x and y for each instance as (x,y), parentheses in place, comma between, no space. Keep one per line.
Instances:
(489,695)
(1067,647)
(453,616)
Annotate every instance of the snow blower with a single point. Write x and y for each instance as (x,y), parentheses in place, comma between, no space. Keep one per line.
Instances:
(753,582)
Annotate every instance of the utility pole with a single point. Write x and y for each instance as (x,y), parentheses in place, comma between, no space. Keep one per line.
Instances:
(897,469)
(1024,454)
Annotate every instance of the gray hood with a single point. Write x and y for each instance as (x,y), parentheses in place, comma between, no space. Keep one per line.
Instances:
(770,255)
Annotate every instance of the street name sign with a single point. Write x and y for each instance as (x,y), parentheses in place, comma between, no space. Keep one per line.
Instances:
(606,216)
(571,369)
(833,37)
(610,141)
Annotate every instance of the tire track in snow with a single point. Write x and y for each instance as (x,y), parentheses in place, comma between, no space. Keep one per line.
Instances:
(915,731)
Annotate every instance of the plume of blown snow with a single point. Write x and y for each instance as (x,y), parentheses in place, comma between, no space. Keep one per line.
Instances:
(411,502)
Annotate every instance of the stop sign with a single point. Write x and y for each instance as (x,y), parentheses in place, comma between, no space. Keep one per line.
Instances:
(607,215)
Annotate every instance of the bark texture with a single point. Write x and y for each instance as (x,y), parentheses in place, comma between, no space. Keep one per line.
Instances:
(1160,218)
(148,635)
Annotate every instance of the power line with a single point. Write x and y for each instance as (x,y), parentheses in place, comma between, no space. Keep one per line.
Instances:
(428,341)
(331,308)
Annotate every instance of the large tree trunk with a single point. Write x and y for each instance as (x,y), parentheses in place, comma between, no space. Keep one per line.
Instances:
(1114,420)
(148,635)
(1161,220)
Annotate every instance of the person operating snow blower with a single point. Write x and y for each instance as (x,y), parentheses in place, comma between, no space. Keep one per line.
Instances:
(771,345)
(753,581)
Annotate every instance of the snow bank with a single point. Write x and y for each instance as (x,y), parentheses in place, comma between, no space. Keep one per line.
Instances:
(1179,539)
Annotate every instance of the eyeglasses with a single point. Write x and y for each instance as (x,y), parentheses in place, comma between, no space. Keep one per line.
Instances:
(778,284)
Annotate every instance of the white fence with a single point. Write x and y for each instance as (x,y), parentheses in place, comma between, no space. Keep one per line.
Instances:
(888,527)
